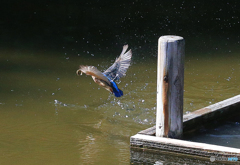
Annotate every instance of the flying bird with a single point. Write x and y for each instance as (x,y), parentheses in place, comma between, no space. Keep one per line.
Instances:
(107,78)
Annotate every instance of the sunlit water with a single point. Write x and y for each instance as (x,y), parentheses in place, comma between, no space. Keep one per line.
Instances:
(49,115)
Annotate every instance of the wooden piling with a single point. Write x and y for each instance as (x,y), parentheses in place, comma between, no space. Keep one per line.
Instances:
(170,76)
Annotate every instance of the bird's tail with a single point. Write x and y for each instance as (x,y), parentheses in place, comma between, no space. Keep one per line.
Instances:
(118,93)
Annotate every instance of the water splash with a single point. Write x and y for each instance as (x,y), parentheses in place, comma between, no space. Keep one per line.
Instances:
(60,104)
(135,106)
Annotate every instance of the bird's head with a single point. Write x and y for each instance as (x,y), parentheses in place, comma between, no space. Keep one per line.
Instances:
(79,72)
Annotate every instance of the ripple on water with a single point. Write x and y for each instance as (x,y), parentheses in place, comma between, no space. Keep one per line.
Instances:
(199,94)
(23,138)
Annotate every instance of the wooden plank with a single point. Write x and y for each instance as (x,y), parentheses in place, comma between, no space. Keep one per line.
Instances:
(215,112)
(205,116)
(170,76)
(166,157)
(149,131)
(181,146)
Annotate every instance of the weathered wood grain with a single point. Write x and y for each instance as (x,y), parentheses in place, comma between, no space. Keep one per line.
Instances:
(181,146)
(170,76)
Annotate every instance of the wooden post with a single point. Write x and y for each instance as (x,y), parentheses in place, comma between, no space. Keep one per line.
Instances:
(170,76)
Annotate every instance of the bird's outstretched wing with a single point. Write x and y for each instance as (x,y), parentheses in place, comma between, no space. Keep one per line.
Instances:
(92,71)
(120,66)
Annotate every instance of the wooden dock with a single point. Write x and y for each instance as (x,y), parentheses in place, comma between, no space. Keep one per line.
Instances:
(220,111)
(171,125)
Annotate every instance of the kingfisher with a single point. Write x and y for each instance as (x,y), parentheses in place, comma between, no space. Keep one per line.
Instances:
(107,78)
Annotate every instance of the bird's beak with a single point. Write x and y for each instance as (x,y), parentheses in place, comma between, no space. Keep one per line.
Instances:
(79,72)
